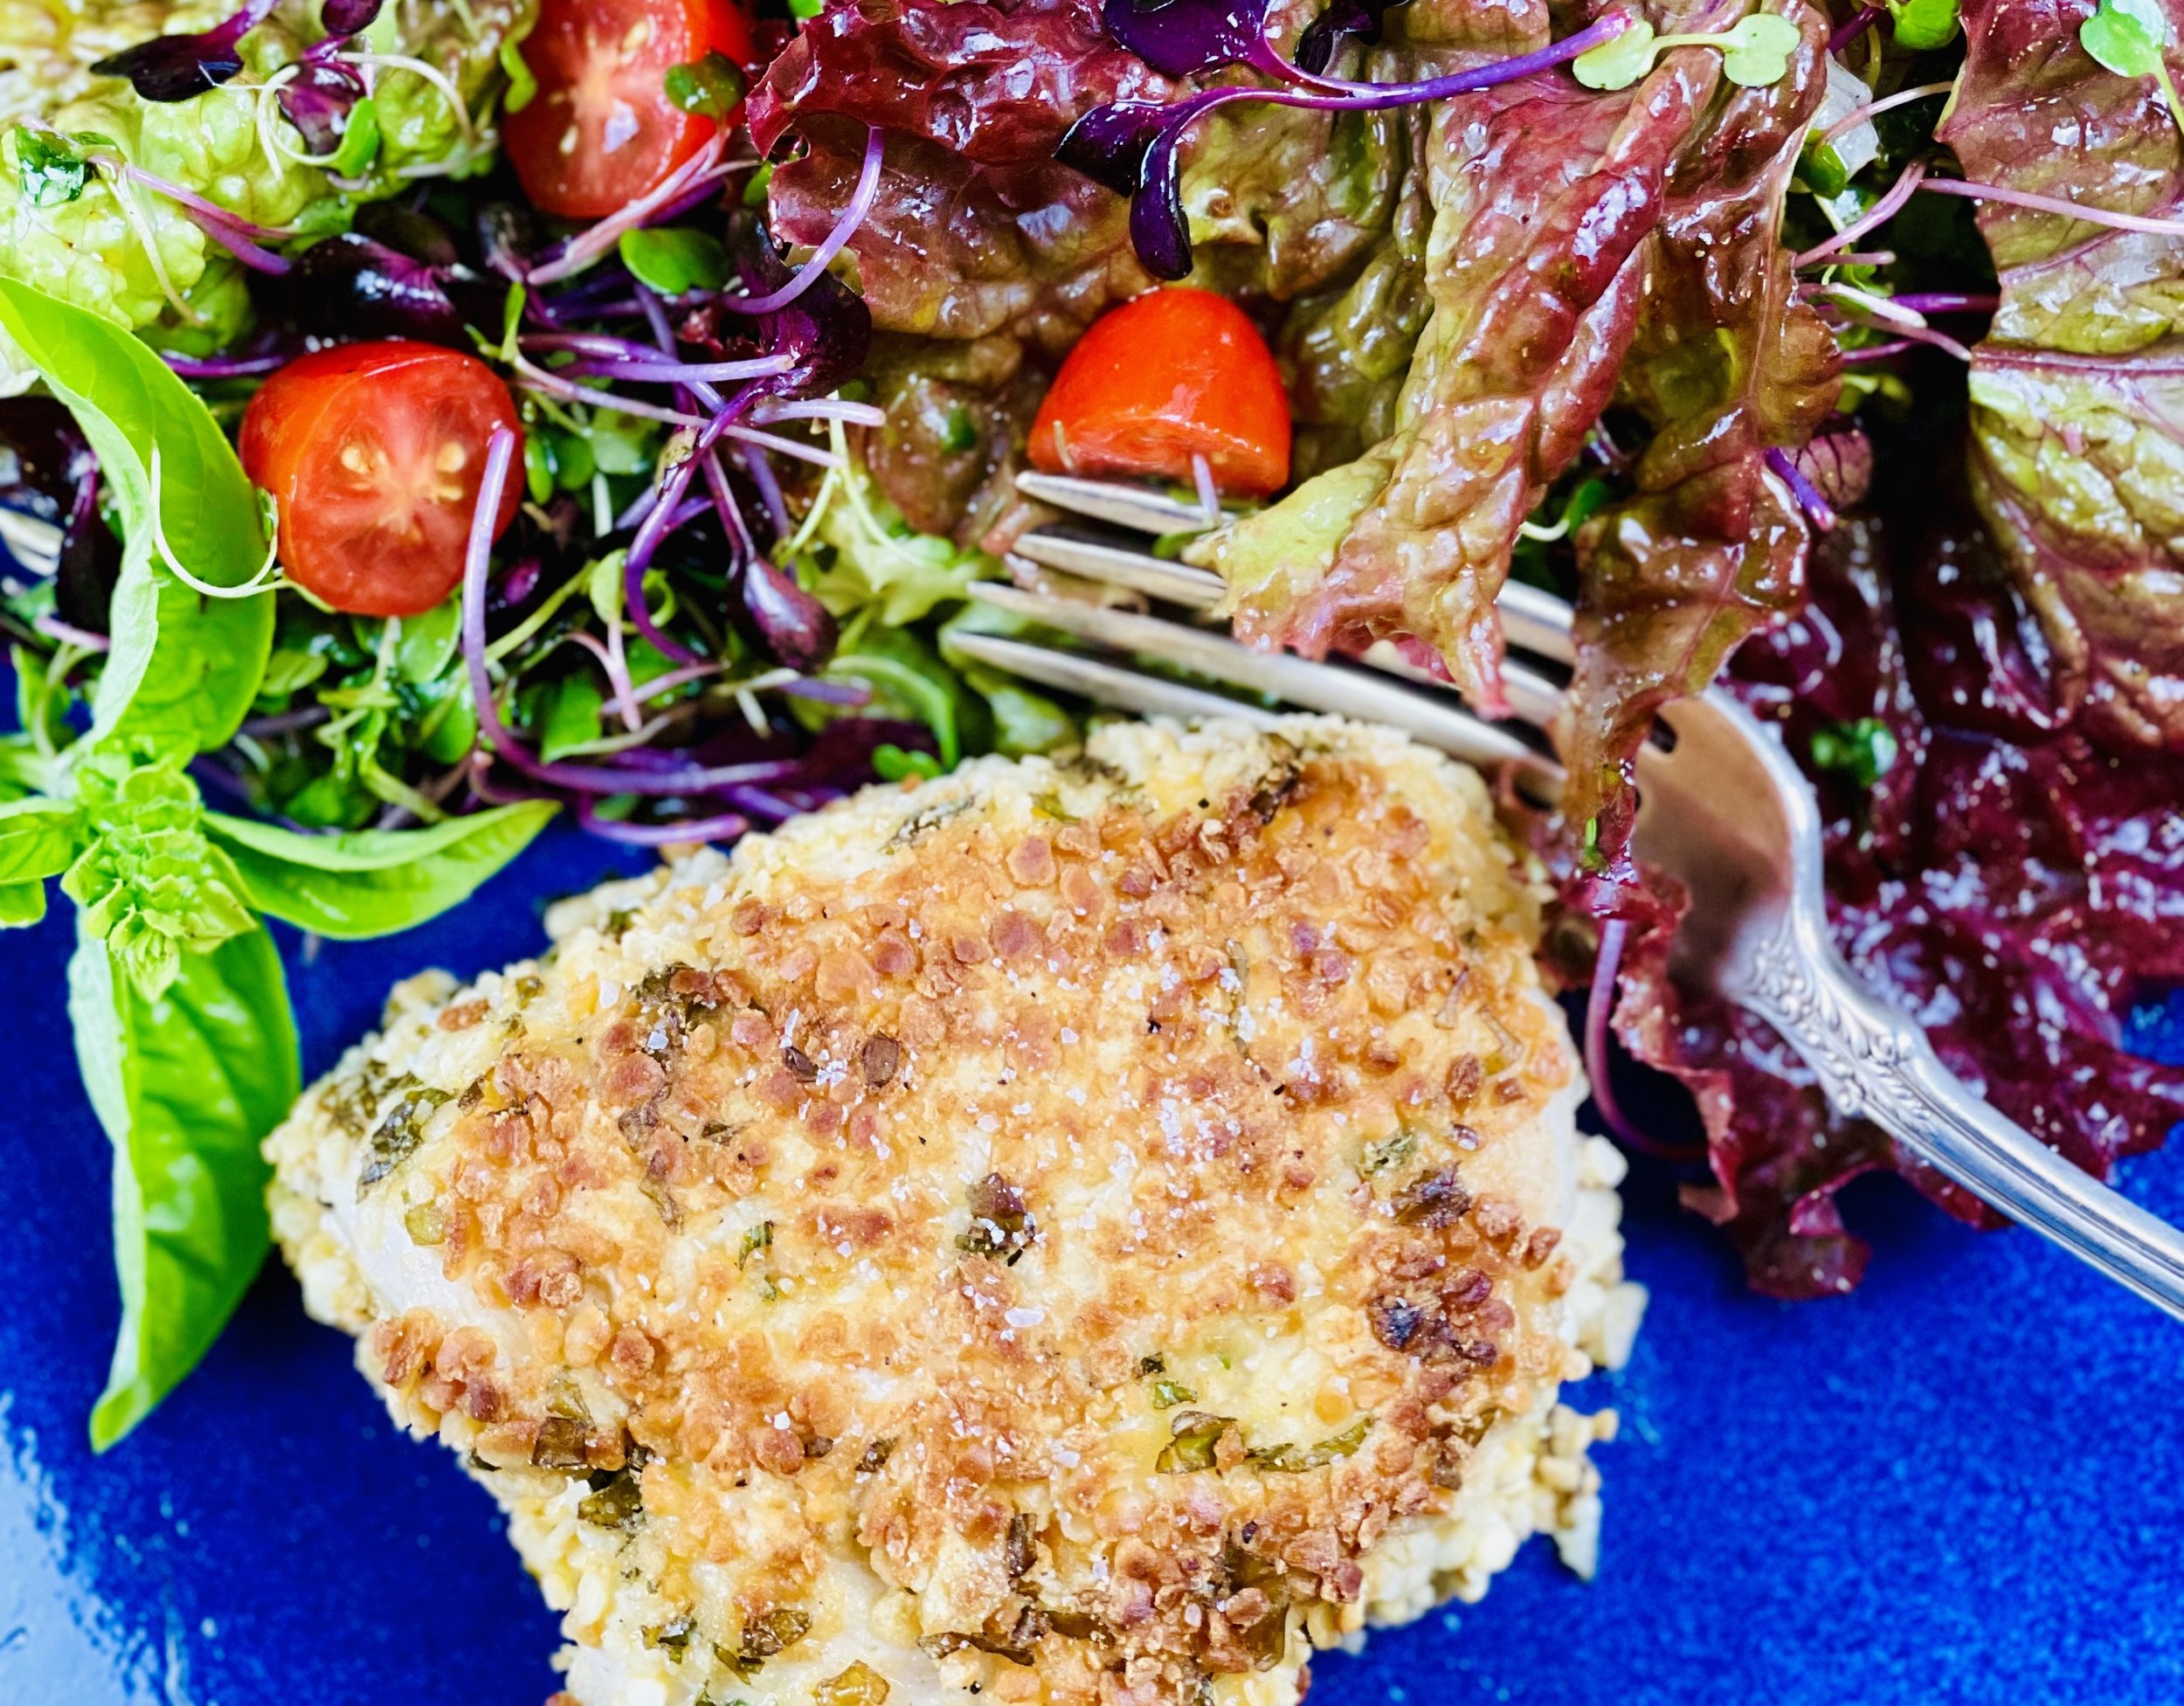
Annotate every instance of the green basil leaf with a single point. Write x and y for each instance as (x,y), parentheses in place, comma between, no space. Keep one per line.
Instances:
(185,1086)
(373,882)
(183,669)
(38,840)
(673,259)
(22,904)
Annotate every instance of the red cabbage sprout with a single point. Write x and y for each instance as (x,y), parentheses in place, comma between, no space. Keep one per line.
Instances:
(182,66)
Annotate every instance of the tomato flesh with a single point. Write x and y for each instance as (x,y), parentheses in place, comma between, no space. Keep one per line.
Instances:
(601,131)
(374,453)
(1169,376)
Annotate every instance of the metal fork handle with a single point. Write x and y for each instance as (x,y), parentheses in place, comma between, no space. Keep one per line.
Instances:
(1874,1061)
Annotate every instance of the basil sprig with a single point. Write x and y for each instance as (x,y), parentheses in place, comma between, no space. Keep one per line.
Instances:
(184,1031)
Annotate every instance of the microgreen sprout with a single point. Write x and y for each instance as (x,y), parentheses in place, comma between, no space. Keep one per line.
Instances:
(1922,26)
(1755,53)
(2132,37)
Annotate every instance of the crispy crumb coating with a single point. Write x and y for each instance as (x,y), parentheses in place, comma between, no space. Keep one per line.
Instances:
(1091,1230)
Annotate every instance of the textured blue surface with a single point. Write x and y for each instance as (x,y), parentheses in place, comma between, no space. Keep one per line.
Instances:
(1966,1483)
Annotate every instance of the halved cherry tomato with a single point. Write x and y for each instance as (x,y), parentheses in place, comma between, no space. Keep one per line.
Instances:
(1171,375)
(601,131)
(374,453)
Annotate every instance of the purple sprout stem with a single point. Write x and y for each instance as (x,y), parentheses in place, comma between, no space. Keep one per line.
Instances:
(725,827)
(1879,214)
(1948,301)
(1864,19)
(666,517)
(861,201)
(577,778)
(1818,511)
(757,465)
(53,628)
(826,693)
(1599,1004)
(656,371)
(222,367)
(239,236)
(1378,97)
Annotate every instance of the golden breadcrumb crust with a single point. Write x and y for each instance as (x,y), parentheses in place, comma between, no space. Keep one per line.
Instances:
(1088,1230)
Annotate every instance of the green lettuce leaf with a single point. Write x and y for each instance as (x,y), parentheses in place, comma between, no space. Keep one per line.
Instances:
(185,1085)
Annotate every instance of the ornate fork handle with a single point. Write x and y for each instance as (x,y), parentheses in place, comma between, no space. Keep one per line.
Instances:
(1873,1061)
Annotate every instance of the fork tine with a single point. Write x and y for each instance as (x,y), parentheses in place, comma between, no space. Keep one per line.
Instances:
(1111,684)
(1131,507)
(1533,619)
(1120,565)
(1534,698)
(33,543)
(1319,687)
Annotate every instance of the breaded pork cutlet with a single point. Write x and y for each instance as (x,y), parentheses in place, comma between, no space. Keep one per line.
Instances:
(1086,1230)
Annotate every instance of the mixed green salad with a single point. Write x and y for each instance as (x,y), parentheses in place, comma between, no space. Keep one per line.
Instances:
(424,418)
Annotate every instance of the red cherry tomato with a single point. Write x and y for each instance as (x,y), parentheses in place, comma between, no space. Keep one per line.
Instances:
(373,452)
(601,131)
(1170,376)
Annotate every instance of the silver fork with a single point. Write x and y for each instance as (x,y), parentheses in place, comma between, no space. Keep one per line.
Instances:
(1722,807)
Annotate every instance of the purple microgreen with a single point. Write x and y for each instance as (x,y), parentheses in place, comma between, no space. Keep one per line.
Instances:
(354,285)
(1755,53)
(654,774)
(861,201)
(182,66)
(241,237)
(1860,21)
(318,102)
(1189,38)
(791,624)
(1818,510)
(224,367)
(347,18)
(1133,147)
(697,177)
(1356,19)
(724,827)
(1109,144)
(666,515)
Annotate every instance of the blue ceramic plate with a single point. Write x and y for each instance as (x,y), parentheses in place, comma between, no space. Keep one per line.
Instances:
(1965,1483)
